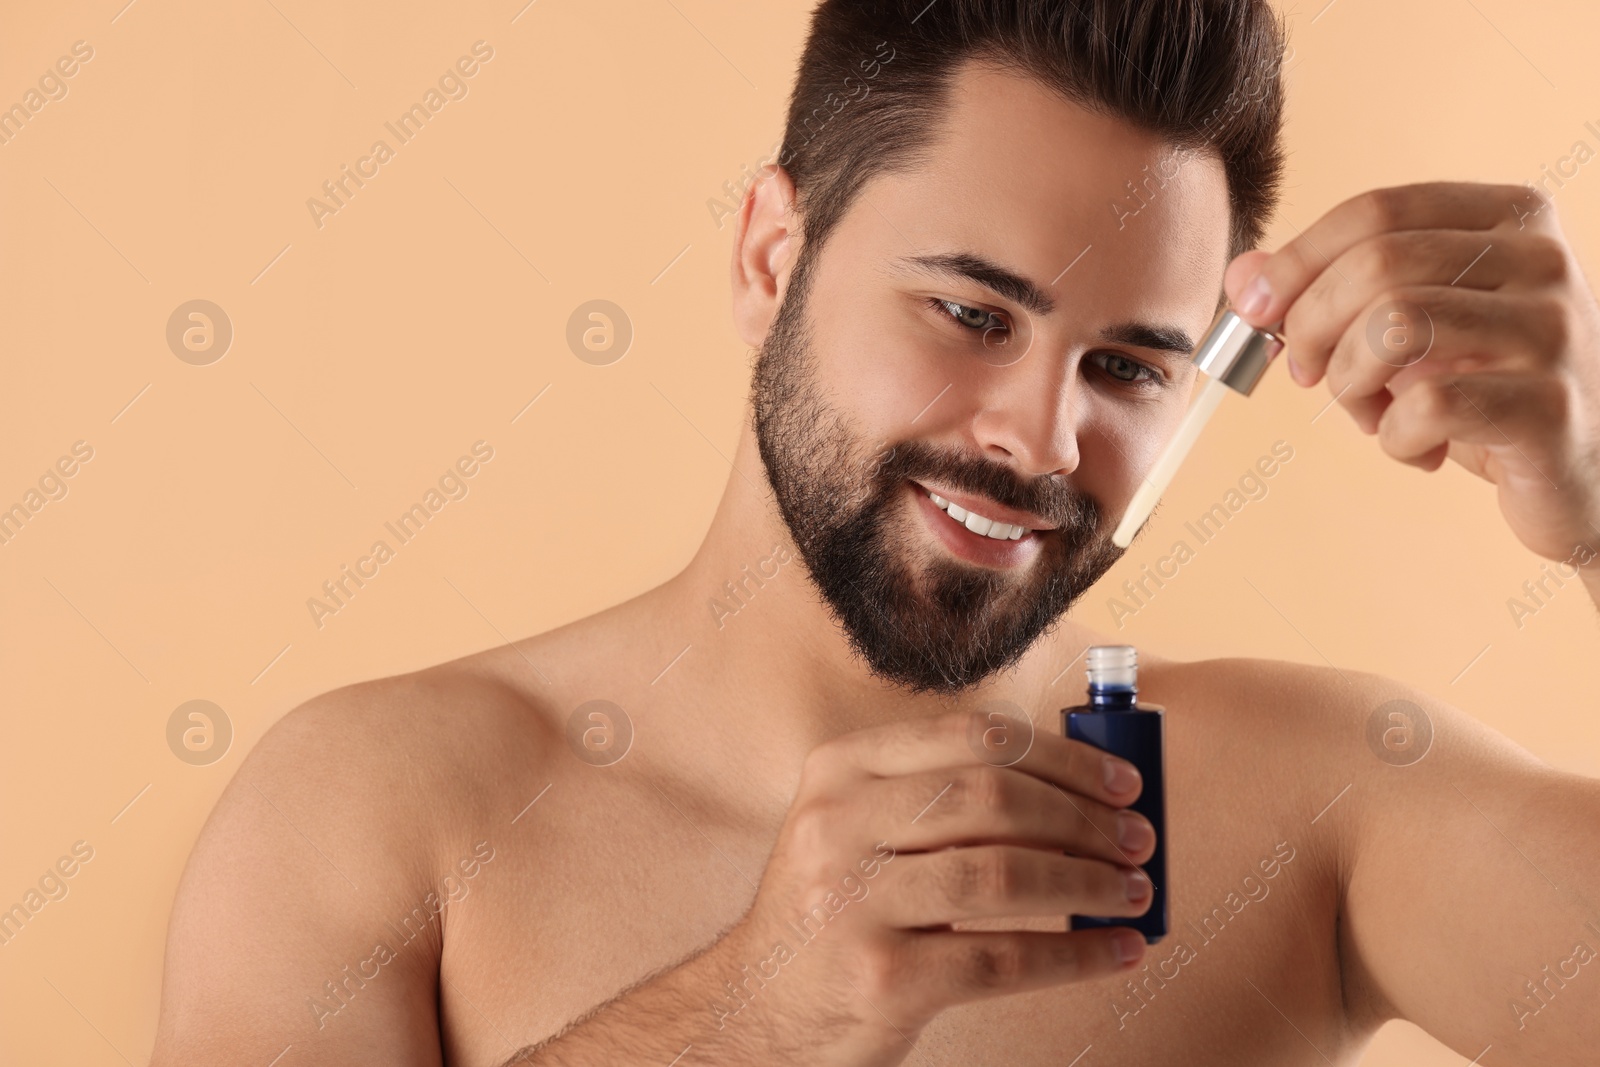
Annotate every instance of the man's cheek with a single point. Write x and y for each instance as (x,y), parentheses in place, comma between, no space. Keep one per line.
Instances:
(877,459)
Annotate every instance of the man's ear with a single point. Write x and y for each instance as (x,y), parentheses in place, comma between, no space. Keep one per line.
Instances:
(765,243)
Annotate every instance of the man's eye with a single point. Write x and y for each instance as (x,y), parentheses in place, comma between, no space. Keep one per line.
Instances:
(1128,370)
(972,318)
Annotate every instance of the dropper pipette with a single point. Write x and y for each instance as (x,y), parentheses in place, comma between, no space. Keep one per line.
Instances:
(1233,354)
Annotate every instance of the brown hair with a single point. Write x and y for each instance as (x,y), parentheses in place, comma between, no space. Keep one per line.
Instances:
(1201,74)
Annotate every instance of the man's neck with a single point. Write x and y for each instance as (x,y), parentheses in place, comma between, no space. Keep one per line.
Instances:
(772,651)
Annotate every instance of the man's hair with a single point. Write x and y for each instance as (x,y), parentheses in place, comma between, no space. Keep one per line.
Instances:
(873,80)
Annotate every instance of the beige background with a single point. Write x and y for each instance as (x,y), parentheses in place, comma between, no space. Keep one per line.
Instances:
(370,353)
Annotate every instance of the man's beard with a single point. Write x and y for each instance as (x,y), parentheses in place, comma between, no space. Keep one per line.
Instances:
(951,625)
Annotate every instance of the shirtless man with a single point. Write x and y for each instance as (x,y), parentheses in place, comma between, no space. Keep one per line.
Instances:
(780,846)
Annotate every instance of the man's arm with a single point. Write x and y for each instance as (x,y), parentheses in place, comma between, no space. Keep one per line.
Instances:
(1452,320)
(1471,902)
(284,932)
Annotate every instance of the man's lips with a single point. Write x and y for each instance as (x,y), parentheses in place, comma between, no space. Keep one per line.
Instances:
(988,509)
(1004,552)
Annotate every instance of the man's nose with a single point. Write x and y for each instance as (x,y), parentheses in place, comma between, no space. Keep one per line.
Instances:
(1030,416)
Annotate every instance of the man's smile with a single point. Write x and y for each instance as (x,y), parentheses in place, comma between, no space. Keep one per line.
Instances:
(975,535)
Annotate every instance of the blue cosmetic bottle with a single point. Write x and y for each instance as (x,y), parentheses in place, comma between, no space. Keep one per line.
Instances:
(1115,722)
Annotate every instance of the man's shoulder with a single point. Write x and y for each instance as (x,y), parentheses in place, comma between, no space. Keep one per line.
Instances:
(1363,714)
(357,816)
(454,706)
(1298,695)
(1304,736)
(410,756)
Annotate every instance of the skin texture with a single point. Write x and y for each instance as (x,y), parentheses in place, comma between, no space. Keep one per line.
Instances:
(1317,890)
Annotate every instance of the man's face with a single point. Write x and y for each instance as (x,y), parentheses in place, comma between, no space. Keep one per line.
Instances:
(1005,327)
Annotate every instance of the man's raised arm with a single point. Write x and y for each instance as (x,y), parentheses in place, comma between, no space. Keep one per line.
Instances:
(1471,903)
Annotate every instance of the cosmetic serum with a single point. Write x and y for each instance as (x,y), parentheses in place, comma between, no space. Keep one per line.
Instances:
(1115,722)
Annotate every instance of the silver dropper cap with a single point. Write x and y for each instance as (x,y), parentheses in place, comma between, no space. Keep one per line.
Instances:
(1235,352)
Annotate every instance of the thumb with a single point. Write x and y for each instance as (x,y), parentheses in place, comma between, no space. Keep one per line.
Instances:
(1241,272)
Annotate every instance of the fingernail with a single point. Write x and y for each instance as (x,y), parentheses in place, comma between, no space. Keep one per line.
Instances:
(1135,886)
(1129,945)
(1120,777)
(1295,372)
(1133,833)
(1257,297)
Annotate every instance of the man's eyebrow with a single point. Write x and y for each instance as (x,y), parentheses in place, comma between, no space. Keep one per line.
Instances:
(1146,335)
(1017,288)
(1008,283)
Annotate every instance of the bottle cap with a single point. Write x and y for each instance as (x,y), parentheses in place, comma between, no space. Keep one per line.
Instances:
(1235,352)
(1112,666)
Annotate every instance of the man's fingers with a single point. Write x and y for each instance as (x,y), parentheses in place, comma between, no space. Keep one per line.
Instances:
(1000,805)
(1353,298)
(1439,330)
(966,738)
(1264,300)
(1000,881)
(1482,409)
(959,966)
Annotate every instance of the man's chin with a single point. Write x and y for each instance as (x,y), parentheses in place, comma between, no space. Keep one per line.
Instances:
(945,626)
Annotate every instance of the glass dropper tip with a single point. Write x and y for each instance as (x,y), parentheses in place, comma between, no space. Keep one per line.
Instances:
(1160,476)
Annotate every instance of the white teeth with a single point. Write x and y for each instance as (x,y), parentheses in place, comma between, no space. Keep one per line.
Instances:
(978,524)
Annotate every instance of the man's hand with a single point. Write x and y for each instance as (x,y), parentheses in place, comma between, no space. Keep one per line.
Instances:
(1452,319)
(896,833)
(964,839)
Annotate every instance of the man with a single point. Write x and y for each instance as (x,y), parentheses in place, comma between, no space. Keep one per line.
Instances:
(792,844)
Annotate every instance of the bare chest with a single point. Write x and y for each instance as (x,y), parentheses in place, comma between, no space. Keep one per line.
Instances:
(597,887)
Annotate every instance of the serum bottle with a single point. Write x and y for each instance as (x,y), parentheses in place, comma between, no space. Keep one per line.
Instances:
(1115,722)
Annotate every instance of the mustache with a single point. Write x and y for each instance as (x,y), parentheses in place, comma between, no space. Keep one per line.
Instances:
(1075,513)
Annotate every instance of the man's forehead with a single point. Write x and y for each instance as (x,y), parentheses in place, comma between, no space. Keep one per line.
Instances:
(1005,111)
(1009,155)
(1075,208)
